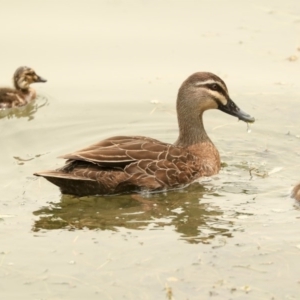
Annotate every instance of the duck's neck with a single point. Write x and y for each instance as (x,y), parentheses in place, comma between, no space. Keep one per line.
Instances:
(21,85)
(191,131)
(193,137)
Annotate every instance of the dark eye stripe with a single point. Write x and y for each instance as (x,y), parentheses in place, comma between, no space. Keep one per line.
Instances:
(218,88)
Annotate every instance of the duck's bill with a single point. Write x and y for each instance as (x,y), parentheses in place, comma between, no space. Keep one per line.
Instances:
(41,79)
(232,109)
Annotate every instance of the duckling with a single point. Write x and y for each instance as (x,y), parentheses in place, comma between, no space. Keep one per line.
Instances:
(125,164)
(296,192)
(23,93)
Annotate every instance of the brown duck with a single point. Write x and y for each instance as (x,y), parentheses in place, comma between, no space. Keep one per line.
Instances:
(22,93)
(296,192)
(135,163)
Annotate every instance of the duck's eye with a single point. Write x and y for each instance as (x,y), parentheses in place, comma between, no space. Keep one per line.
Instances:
(214,87)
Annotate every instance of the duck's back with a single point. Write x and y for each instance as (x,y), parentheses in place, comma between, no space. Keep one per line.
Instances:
(11,98)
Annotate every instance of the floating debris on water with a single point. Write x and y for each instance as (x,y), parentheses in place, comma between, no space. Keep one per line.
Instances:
(275,170)
(154,101)
(292,58)
(6,216)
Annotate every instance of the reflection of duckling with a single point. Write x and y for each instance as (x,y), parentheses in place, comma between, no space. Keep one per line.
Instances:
(23,93)
(296,192)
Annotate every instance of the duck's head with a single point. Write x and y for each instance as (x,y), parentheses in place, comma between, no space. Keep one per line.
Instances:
(202,91)
(24,76)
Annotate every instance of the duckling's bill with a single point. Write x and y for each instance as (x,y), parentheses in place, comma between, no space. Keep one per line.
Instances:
(232,109)
(40,79)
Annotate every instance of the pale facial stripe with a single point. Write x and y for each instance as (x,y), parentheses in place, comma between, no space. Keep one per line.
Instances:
(216,94)
(211,81)
(22,83)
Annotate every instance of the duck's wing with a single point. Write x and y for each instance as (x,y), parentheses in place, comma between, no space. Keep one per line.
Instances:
(9,98)
(123,150)
(120,164)
(146,161)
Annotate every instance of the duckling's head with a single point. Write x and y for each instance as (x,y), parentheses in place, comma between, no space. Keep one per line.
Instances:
(24,76)
(202,91)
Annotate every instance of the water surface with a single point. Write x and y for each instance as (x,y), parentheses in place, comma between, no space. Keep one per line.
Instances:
(114,68)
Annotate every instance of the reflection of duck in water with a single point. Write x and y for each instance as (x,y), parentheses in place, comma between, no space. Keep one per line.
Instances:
(296,192)
(181,212)
(134,163)
(23,93)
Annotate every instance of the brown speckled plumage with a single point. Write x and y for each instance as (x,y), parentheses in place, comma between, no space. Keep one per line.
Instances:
(135,163)
(23,93)
(296,192)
